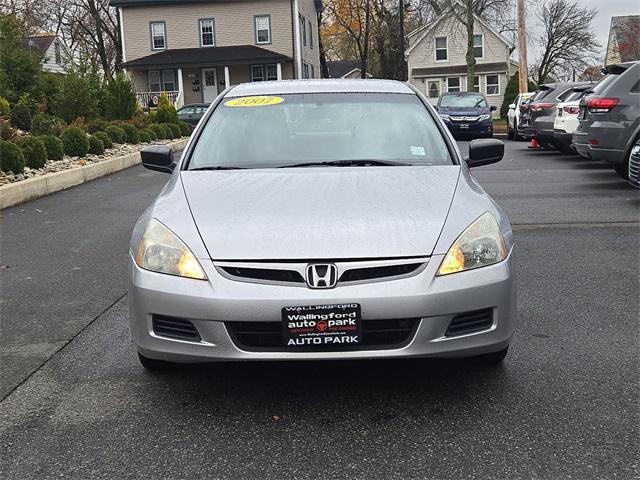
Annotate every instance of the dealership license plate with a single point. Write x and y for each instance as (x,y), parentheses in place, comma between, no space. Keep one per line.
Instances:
(464,125)
(322,325)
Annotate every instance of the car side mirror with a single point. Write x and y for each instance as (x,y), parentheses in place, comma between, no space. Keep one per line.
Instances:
(484,152)
(512,106)
(493,108)
(158,158)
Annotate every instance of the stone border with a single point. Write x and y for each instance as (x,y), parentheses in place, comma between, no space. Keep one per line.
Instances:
(32,188)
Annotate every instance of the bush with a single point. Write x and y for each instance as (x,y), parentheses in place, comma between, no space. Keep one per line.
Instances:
(158,130)
(77,98)
(152,135)
(7,132)
(11,158)
(34,151)
(96,147)
(166,112)
(140,119)
(185,129)
(22,115)
(120,98)
(168,131)
(97,125)
(116,134)
(76,143)
(43,124)
(105,138)
(131,132)
(144,136)
(54,147)
(175,129)
(4,107)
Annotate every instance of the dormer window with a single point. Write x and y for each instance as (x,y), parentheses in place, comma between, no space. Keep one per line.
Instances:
(263,29)
(207,32)
(441,49)
(158,36)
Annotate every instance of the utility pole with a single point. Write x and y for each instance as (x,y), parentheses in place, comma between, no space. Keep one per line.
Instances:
(522,48)
(403,75)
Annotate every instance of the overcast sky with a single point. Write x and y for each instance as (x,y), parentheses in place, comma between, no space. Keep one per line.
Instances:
(605,8)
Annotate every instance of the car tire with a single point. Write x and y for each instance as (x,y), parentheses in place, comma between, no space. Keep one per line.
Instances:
(154,366)
(510,133)
(493,358)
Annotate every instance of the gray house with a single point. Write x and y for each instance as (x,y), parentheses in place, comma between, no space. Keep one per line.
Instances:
(49,47)
(436,59)
(194,49)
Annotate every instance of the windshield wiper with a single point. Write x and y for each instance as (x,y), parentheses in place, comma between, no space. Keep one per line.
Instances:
(217,167)
(349,163)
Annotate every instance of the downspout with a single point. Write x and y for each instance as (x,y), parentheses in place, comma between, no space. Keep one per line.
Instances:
(296,43)
(121,22)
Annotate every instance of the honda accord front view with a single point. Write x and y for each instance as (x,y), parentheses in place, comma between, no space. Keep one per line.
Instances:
(321,220)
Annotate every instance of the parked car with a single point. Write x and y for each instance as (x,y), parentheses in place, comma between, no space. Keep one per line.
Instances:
(543,111)
(610,118)
(524,115)
(192,113)
(514,114)
(566,120)
(466,113)
(319,220)
(634,165)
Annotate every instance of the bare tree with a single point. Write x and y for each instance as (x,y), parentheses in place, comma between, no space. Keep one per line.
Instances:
(568,41)
(350,24)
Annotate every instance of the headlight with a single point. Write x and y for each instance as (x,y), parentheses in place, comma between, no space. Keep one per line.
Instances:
(481,244)
(161,251)
(484,117)
(446,118)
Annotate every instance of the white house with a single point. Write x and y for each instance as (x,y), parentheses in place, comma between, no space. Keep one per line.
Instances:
(436,59)
(50,48)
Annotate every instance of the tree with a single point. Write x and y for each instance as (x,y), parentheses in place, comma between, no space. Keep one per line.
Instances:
(78,97)
(120,98)
(568,41)
(19,69)
(465,11)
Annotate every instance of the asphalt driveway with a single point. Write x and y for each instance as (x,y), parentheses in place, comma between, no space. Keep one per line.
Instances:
(564,405)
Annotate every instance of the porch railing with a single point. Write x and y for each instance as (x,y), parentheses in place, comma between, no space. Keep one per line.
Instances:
(149,100)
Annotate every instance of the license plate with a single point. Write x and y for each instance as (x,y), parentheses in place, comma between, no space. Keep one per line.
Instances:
(322,325)
(464,125)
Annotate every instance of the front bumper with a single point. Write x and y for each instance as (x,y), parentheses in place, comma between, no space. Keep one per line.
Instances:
(484,127)
(435,300)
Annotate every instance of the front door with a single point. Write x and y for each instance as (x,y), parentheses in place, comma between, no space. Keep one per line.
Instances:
(209,85)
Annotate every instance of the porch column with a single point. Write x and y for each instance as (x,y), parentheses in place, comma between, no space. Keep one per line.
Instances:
(180,101)
(227,81)
(279,70)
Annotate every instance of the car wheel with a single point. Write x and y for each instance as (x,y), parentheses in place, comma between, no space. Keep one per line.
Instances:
(153,365)
(516,136)
(493,358)
(510,134)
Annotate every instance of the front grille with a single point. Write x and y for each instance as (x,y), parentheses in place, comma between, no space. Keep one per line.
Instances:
(470,322)
(372,273)
(172,327)
(268,274)
(376,334)
(634,170)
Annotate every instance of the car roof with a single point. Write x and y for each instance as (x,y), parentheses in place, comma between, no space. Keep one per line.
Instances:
(319,86)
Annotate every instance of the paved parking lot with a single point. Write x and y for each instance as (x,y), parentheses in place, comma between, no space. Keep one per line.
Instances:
(564,405)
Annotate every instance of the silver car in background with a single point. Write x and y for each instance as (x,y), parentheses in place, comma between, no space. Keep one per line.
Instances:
(321,220)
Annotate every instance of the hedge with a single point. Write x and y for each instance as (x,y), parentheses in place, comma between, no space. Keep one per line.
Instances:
(185,129)
(158,130)
(54,147)
(152,135)
(116,134)
(105,138)
(11,158)
(131,132)
(144,136)
(34,151)
(175,130)
(97,125)
(96,147)
(76,143)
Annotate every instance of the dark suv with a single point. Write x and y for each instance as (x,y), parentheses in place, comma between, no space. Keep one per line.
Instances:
(610,117)
(466,113)
(542,112)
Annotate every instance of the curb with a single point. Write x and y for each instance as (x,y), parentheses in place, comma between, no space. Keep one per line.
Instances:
(37,187)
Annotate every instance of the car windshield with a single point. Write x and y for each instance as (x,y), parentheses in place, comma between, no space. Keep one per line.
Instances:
(463,101)
(575,95)
(331,128)
(603,83)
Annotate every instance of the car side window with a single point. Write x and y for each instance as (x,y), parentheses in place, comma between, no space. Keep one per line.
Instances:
(636,87)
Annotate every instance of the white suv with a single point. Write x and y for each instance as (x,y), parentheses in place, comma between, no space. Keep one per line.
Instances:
(567,119)
(513,115)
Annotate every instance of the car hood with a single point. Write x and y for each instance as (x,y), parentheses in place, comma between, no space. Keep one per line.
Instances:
(320,213)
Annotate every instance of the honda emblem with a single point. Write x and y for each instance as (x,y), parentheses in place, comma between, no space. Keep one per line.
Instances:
(321,275)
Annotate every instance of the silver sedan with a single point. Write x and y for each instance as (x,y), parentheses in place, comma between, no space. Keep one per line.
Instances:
(321,220)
